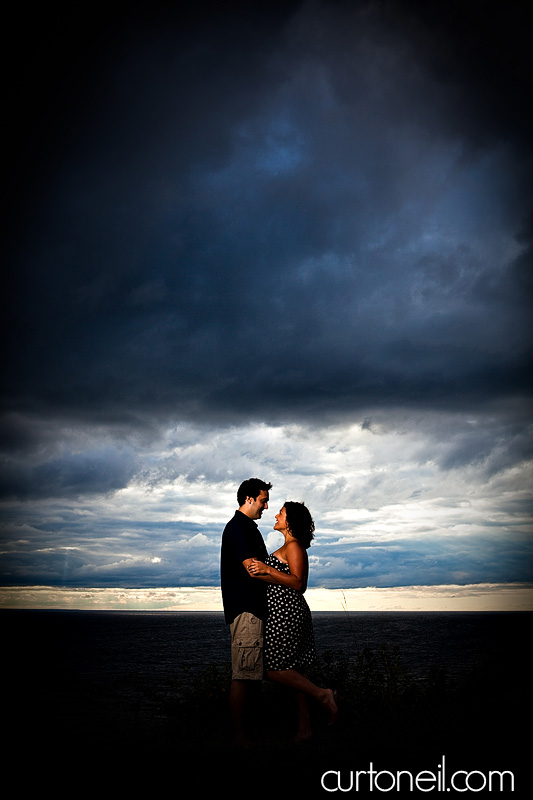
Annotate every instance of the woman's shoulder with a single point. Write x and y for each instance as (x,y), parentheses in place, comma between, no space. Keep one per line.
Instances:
(293,546)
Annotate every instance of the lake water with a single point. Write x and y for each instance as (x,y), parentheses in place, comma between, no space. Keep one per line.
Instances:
(163,646)
(91,685)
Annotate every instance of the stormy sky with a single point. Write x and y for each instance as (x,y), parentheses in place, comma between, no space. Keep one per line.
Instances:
(288,240)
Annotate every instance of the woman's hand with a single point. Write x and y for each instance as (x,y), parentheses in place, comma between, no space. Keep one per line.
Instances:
(257,568)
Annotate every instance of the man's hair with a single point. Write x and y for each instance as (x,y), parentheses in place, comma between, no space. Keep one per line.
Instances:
(251,488)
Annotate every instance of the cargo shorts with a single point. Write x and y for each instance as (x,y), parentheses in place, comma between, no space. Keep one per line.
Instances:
(247,647)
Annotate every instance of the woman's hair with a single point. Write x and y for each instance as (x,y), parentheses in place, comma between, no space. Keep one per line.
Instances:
(300,522)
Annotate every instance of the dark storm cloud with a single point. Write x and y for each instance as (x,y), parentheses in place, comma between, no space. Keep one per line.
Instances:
(96,471)
(290,239)
(296,211)
(429,561)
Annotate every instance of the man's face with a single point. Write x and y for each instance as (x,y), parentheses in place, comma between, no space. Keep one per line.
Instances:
(256,506)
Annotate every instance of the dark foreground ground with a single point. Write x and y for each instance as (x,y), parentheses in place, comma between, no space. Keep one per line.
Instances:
(112,733)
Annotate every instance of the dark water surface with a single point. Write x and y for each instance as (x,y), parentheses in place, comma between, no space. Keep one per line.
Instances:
(166,647)
(99,684)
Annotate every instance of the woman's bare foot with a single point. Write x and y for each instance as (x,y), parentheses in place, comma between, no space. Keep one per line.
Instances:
(330,705)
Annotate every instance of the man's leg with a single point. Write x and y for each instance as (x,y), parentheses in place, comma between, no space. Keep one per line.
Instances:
(240,694)
(247,671)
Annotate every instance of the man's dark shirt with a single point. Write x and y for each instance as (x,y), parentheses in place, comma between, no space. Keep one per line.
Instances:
(241,540)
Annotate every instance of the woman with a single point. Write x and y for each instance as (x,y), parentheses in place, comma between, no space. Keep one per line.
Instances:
(289,638)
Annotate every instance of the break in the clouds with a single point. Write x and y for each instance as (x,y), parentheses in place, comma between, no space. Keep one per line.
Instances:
(290,240)
(396,502)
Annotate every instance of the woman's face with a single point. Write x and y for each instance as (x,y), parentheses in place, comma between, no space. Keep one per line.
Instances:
(281,520)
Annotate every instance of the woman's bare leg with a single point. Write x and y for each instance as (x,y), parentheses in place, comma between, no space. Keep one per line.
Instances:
(304,730)
(295,680)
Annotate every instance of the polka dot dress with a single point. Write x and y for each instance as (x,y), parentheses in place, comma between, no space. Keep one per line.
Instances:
(289,638)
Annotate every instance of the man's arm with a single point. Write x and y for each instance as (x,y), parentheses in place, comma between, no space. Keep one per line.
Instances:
(298,565)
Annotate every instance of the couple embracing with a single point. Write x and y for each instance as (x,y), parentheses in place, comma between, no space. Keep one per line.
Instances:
(263,597)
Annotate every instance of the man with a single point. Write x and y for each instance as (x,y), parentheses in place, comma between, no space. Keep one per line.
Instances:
(244,599)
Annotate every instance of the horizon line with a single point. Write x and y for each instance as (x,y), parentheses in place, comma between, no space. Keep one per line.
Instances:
(511,596)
